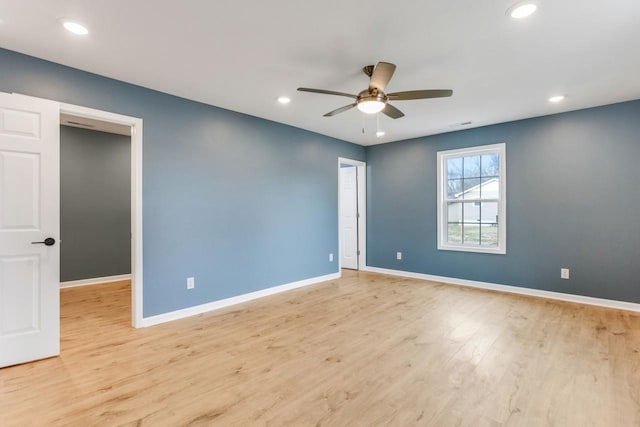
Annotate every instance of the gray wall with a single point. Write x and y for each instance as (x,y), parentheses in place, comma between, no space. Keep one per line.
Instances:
(238,202)
(95,204)
(573,200)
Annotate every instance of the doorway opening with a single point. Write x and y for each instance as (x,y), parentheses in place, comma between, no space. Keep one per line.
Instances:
(30,223)
(352,218)
(101,200)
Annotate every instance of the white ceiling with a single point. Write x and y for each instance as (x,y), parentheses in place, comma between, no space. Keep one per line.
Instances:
(242,55)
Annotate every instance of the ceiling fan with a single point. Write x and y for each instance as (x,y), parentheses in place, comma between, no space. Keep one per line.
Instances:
(373,99)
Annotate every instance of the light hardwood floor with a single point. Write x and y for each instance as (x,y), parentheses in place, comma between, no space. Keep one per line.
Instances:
(365,350)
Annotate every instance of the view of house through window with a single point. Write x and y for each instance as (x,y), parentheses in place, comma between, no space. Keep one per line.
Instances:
(470,201)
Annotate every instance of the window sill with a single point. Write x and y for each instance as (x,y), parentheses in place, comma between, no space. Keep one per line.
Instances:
(497,251)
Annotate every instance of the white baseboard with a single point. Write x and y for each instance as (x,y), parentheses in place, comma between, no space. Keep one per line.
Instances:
(94,281)
(601,302)
(215,305)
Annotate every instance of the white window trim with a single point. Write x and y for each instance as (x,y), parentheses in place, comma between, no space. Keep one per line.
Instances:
(443,245)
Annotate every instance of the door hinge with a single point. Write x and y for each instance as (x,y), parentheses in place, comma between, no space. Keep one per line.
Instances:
(357,214)
(358,252)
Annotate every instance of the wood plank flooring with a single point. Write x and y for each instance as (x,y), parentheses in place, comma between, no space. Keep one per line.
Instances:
(364,350)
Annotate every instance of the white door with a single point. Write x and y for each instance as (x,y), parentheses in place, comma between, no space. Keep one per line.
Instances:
(349,217)
(29,212)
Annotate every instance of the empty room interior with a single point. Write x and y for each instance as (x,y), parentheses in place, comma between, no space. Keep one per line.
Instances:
(357,213)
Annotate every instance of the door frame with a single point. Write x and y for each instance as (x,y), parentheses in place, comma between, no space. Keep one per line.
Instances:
(361,179)
(136,196)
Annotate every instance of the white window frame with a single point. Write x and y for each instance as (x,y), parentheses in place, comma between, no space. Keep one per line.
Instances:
(443,156)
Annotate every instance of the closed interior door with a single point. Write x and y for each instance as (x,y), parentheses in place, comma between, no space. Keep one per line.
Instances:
(349,217)
(29,214)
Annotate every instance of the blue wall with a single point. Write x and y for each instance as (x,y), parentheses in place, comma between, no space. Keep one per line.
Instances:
(573,200)
(238,202)
(244,204)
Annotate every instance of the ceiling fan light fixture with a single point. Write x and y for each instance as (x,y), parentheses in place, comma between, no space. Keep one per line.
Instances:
(371,106)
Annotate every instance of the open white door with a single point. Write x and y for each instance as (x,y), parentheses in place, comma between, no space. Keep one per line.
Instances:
(29,213)
(349,217)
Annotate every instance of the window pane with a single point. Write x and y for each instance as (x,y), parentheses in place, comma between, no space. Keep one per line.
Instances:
(490,188)
(490,164)
(454,233)
(471,233)
(471,167)
(471,213)
(473,199)
(489,212)
(454,168)
(454,188)
(489,235)
(471,188)
(454,212)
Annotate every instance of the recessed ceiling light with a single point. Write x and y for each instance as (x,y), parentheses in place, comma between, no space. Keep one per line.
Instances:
(557,98)
(284,100)
(380,134)
(74,27)
(522,9)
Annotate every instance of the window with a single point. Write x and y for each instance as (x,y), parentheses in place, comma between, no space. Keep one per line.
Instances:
(472,199)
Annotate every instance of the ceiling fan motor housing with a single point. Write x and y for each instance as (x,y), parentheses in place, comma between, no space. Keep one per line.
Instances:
(373,95)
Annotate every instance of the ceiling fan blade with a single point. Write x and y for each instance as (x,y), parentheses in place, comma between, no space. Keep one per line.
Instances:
(420,94)
(392,111)
(339,110)
(327,92)
(381,75)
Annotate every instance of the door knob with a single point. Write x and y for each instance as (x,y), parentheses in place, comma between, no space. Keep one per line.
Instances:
(49,241)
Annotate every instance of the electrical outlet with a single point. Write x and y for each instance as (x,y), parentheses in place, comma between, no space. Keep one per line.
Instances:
(398,255)
(330,257)
(564,273)
(191,282)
